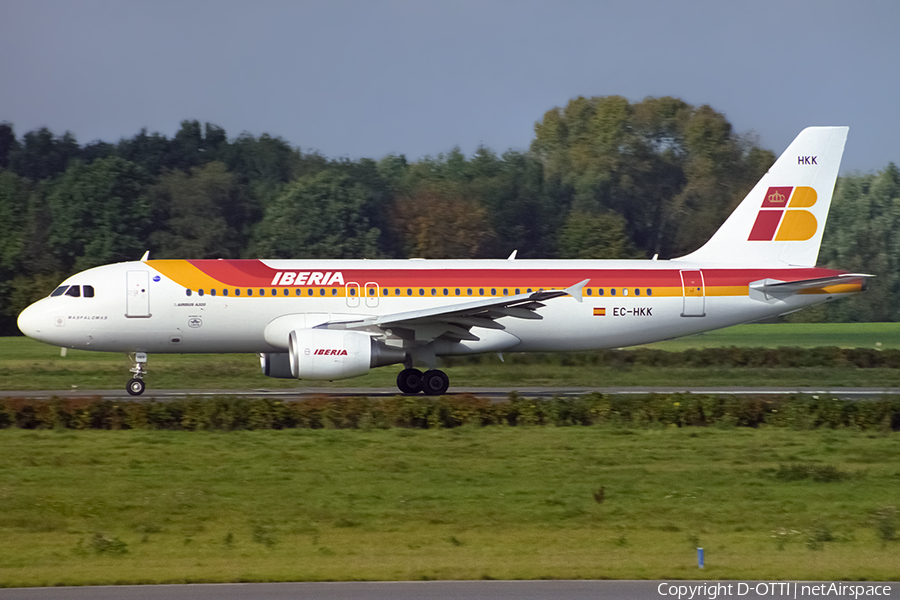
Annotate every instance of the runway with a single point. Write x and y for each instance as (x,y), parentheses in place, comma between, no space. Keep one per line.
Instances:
(458,590)
(844,393)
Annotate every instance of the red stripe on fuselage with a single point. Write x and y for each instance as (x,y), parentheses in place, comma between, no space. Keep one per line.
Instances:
(254,273)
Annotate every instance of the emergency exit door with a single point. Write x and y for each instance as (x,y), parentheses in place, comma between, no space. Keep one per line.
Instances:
(694,294)
(137,299)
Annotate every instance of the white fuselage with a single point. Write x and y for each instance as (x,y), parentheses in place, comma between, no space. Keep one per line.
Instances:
(181,306)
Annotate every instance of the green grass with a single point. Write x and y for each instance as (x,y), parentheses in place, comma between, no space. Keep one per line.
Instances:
(28,365)
(792,335)
(137,506)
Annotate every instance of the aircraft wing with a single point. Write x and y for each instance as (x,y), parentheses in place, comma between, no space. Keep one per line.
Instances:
(455,321)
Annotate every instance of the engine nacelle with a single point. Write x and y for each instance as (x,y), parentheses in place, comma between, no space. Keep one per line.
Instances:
(336,354)
(276,364)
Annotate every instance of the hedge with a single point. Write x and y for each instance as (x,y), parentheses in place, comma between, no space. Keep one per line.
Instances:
(422,412)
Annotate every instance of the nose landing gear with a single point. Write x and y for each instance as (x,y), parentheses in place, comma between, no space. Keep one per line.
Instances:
(136,385)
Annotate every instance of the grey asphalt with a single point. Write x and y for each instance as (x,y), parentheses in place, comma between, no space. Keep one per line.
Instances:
(465,590)
(847,393)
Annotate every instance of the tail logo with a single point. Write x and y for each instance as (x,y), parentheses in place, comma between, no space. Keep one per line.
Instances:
(785,223)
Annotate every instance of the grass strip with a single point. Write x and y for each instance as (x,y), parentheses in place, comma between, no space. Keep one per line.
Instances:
(741,355)
(100,507)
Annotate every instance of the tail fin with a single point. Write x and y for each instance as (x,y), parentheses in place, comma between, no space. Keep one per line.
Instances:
(782,218)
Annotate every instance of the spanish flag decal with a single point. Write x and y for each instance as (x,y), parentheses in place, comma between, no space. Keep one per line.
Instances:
(599,312)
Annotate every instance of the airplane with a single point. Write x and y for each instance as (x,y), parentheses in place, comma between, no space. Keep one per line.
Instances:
(336,319)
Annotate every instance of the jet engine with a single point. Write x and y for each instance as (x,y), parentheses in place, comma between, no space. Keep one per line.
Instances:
(334,354)
(276,364)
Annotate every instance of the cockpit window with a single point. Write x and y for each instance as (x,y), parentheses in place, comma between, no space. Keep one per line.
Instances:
(75,291)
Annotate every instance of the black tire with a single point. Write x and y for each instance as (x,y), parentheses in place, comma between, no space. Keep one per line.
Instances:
(435,383)
(135,387)
(410,381)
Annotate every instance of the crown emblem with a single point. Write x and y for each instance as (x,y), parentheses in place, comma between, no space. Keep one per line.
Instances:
(776,197)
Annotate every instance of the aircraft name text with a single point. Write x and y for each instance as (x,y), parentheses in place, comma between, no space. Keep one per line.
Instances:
(308,278)
(330,352)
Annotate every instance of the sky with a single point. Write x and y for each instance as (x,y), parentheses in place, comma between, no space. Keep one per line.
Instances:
(376,77)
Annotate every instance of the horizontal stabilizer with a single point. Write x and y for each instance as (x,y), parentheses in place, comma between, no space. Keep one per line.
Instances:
(777,288)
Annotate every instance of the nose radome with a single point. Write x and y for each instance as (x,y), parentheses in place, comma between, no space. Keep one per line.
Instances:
(29,321)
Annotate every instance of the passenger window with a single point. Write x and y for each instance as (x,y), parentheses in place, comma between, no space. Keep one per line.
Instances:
(200,292)
(74,291)
(187,292)
(649,292)
(493,291)
(237,292)
(225,292)
(212,292)
(590,292)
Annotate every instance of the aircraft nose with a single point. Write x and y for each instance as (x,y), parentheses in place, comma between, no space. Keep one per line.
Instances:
(29,321)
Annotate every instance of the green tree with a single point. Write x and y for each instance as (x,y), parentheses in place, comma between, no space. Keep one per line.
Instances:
(594,235)
(99,213)
(8,143)
(670,169)
(147,151)
(322,215)
(204,213)
(14,192)
(862,235)
(268,159)
(41,155)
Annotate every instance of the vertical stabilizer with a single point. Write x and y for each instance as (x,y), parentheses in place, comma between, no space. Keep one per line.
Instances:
(781,220)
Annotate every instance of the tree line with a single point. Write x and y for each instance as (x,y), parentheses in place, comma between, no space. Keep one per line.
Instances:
(603,178)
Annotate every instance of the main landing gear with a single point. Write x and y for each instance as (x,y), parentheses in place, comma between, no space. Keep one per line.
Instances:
(136,385)
(413,381)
